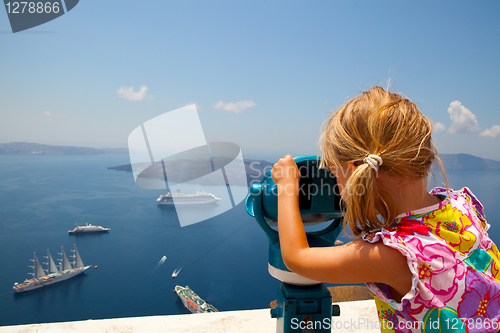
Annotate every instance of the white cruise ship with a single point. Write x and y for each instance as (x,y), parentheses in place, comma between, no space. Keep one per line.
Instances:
(88,228)
(199,198)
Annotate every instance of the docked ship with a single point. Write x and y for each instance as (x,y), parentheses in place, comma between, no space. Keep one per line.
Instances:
(198,198)
(88,228)
(53,274)
(192,301)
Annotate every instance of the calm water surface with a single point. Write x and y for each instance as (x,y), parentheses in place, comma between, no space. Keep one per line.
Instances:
(223,259)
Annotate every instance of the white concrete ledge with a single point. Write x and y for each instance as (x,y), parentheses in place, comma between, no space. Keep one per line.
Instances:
(249,321)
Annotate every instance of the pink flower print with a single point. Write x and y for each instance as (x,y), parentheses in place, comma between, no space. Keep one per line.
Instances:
(480,301)
(439,271)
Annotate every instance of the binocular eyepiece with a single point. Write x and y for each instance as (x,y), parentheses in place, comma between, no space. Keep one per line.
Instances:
(319,204)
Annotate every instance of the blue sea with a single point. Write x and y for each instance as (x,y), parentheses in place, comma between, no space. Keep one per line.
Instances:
(223,259)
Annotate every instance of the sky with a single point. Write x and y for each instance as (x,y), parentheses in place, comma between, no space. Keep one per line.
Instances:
(263,74)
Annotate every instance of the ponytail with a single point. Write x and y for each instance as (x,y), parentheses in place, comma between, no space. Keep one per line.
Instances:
(377,125)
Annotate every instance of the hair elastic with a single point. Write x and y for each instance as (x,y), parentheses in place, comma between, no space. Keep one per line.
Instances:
(374,161)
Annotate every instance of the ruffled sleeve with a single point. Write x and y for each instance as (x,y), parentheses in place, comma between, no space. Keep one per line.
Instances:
(392,240)
(475,203)
(465,193)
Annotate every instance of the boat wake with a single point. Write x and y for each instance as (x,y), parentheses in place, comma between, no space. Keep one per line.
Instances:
(176,272)
(161,262)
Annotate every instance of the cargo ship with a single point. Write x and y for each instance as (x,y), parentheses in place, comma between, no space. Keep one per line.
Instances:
(192,301)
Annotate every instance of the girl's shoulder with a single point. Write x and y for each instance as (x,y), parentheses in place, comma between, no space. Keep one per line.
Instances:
(462,197)
(457,215)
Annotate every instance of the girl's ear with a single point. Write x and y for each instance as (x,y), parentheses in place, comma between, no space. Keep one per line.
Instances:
(351,166)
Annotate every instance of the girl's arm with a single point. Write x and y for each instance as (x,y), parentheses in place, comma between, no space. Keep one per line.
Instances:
(354,262)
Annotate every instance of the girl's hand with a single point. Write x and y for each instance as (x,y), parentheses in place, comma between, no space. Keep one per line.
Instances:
(286,175)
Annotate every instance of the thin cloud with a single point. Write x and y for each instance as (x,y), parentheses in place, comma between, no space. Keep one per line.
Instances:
(463,120)
(234,107)
(438,128)
(131,95)
(47,113)
(491,132)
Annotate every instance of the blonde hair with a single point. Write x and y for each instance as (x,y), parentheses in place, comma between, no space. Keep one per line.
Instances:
(382,123)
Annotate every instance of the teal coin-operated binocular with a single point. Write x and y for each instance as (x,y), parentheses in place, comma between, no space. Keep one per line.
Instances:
(300,300)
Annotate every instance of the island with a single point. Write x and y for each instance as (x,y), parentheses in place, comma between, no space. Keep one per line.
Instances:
(465,162)
(25,148)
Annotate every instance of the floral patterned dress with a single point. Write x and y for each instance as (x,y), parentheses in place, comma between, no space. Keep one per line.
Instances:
(455,268)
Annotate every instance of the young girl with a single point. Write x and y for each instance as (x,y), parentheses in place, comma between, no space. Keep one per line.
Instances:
(426,256)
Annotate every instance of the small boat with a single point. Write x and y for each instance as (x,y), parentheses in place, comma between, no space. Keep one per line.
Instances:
(192,301)
(53,274)
(88,228)
(176,272)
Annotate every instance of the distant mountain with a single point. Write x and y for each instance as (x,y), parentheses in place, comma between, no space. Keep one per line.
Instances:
(24,148)
(450,161)
(468,162)
(185,170)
